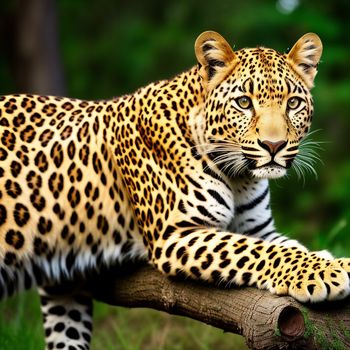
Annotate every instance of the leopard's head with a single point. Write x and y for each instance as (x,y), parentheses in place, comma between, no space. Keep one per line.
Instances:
(258,105)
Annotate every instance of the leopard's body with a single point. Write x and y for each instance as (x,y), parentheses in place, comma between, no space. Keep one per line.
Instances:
(175,173)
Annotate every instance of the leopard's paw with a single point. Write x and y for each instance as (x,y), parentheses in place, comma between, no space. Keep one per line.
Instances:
(310,278)
(329,282)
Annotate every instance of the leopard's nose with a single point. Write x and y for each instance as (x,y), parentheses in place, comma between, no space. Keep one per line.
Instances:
(272,146)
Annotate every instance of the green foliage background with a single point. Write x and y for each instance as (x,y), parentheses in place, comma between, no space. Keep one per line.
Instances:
(112,47)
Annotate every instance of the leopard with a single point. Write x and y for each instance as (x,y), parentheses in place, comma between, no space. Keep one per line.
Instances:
(175,175)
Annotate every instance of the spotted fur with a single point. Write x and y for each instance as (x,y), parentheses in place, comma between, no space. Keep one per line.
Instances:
(175,174)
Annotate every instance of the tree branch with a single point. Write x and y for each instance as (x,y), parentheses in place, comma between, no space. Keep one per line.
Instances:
(266,321)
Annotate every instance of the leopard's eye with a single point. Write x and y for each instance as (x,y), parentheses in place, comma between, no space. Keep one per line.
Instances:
(294,102)
(244,102)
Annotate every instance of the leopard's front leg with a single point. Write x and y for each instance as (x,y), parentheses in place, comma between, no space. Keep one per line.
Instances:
(228,258)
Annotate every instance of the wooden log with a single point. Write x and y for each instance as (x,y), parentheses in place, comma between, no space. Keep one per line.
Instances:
(266,321)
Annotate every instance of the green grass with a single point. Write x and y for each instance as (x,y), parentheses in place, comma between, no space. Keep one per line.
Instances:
(20,323)
(134,329)
(114,329)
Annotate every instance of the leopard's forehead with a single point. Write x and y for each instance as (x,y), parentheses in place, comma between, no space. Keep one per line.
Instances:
(261,59)
(265,73)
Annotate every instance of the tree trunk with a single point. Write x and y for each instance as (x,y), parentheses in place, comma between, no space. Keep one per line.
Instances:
(265,320)
(37,63)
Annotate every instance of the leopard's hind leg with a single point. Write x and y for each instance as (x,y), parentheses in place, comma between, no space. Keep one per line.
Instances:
(67,317)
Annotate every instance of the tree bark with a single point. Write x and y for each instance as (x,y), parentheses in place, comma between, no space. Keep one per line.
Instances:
(265,320)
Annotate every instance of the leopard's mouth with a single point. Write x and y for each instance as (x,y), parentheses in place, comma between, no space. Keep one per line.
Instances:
(258,166)
(271,169)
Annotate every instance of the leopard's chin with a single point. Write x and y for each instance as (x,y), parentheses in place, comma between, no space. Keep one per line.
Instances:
(269,172)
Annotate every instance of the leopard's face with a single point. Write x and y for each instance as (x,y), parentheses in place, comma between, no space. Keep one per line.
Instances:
(264,112)
(259,111)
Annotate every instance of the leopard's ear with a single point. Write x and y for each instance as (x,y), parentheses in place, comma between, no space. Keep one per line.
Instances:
(215,57)
(305,56)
